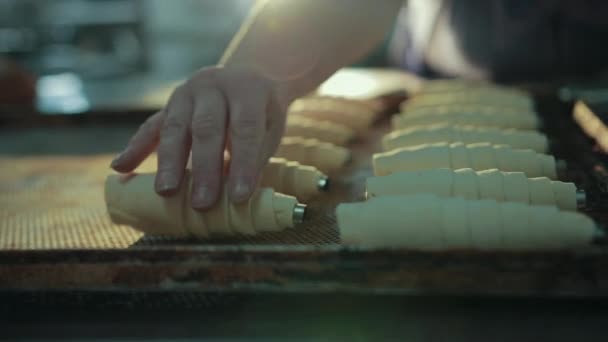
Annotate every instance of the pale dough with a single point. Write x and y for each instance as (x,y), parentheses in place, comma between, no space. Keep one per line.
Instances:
(133,202)
(517,225)
(425,222)
(482,156)
(292,178)
(459,156)
(326,157)
(436,181)
(491,184)
(486,227)
(455,224)
(380,223)
(507,120)
(481,96)
(357,116)
(467,183)
(455,109)
(443,132)
(541,191)
(516,187)
(477,156)
(300,126)
(471,86)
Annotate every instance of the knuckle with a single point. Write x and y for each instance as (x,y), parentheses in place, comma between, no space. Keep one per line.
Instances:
(181,89)
(173,125)
(206,125)
(150,124)
(247,127)
(201,79)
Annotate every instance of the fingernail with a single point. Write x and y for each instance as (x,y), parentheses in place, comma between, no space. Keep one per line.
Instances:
(116,160)
(202,198)
(241,190)
(166,184)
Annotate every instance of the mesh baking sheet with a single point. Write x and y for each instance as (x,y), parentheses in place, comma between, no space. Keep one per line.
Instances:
(56,235)
(56,202)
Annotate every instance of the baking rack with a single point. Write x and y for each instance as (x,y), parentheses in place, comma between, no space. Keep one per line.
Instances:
(56,236)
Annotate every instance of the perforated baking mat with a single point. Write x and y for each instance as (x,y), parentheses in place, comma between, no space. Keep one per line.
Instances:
(55,235)
(56,202)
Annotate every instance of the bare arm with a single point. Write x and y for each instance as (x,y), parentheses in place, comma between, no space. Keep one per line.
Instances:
(302,43)
(284,50)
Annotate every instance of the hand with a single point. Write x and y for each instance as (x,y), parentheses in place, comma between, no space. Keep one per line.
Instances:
(217,109)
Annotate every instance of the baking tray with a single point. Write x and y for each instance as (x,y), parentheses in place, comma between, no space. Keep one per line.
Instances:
(56,236)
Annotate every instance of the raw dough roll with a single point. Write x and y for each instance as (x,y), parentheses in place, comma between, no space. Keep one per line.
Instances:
(299,126)
(456,85)
(478,157)
(470,109)
(352,114)
(374,106)
(418,135)
(428,222)
(293,178)
(483,96)
(506,120)
(488,184)
(326,157)
(334,104)
(131,200)
(358,123)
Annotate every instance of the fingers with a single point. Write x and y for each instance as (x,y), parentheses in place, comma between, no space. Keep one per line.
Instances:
(174,145)
(275,131)
(140,146)
(208,138)
(247,132)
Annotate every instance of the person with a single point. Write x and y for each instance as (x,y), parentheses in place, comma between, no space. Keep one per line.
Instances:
(286,48)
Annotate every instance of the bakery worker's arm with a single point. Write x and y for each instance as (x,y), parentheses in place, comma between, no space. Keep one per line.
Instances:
(284,50)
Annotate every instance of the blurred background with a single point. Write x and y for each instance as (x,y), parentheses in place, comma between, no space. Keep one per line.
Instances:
(69,56)
(98,53)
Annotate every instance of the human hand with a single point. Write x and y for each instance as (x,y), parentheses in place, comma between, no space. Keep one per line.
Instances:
(217,109)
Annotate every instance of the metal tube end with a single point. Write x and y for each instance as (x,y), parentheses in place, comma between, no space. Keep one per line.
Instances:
(299,211)
(323,183)
(581,198)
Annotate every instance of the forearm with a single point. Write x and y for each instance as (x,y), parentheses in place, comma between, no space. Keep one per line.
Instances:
(302,43)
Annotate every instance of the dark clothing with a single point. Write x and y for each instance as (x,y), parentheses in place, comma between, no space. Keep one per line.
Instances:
(502,39)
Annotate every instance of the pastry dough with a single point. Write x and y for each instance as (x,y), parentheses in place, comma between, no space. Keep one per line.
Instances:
(132,201)
(505,120)
(418,135)
(353,114)
(335,104)
(467,108)
(456,85)
(414,221)
(326,157)
(455,156)
(293,178)
(359,124)
(300,126)
(488,184)
(482,96)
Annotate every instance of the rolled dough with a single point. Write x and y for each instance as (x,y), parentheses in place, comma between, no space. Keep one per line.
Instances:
(487,184)
(133,202)
(292,178)
(300,126)
(476,156)
(415,221)
(444,132)
(326,157)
